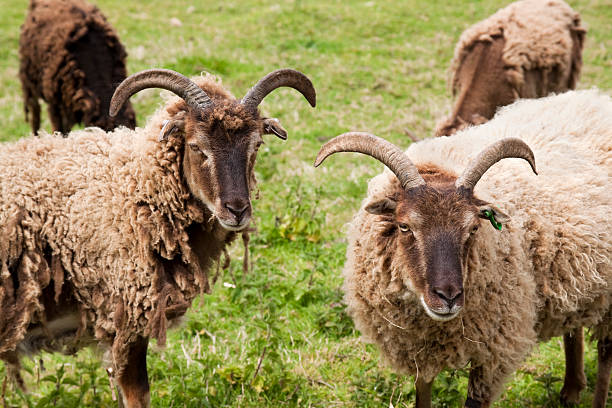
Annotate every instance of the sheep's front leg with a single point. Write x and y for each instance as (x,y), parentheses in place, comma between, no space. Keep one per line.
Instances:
(575,380)
(604,367)
(55,116)
(13,368)
(133,382)
(423,393)
(479,393)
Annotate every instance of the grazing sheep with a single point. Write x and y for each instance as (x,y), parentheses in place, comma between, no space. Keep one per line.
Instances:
(71,57)
(108,237)
(526,50)
(434,286)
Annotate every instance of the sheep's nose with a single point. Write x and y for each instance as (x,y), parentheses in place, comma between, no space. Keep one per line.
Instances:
(450,294)
(237,208)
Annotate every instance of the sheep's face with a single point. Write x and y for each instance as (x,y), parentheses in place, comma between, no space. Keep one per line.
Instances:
(432,230)
(428,217)
(220,151)
(219,156)
(126,117)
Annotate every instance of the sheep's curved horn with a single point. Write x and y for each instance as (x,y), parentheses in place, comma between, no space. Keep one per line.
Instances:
(276,79)
(502,149)
(167,79)
(386,152)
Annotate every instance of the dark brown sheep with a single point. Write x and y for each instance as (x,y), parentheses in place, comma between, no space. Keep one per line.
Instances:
(107,237)
(526,50)
(72,58)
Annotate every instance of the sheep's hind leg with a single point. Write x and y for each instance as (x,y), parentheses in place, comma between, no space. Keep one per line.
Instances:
(604,367)
(575,380)
(479,393)
(423,393)
(133,382)
(33,108)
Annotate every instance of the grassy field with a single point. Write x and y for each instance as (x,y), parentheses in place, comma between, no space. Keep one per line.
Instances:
(378,66)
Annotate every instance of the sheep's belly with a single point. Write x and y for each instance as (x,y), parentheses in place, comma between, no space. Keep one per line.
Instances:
(58,335)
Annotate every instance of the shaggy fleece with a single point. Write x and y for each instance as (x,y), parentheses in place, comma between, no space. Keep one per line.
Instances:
(106,219)
(548,271)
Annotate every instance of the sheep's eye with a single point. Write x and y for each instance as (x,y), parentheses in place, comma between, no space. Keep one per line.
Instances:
(474,229)
(404,227)
(197,149)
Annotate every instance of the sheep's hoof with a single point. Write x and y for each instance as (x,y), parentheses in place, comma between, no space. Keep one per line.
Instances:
(570,397)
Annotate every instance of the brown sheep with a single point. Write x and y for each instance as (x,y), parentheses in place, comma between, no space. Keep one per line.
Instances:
(108,237)
(72,58)
(526,50)
(434,286)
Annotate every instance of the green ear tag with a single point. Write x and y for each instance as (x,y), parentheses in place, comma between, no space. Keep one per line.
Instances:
(489,214)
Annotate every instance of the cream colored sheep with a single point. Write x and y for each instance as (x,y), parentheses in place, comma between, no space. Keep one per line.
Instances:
(430,282)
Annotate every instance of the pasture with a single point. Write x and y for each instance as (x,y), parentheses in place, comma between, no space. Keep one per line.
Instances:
(279,336)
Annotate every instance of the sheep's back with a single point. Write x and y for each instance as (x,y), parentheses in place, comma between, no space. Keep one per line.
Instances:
(537,35)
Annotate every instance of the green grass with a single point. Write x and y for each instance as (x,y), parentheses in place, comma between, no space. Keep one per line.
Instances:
(377,66)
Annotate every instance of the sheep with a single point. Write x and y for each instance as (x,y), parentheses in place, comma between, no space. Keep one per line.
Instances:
(108,237)
(528,49)
(434,287)
(72,58)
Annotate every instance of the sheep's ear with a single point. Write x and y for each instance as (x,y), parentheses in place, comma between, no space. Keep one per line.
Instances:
(272,126)
(169,127)
(493,214)
(386,206)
